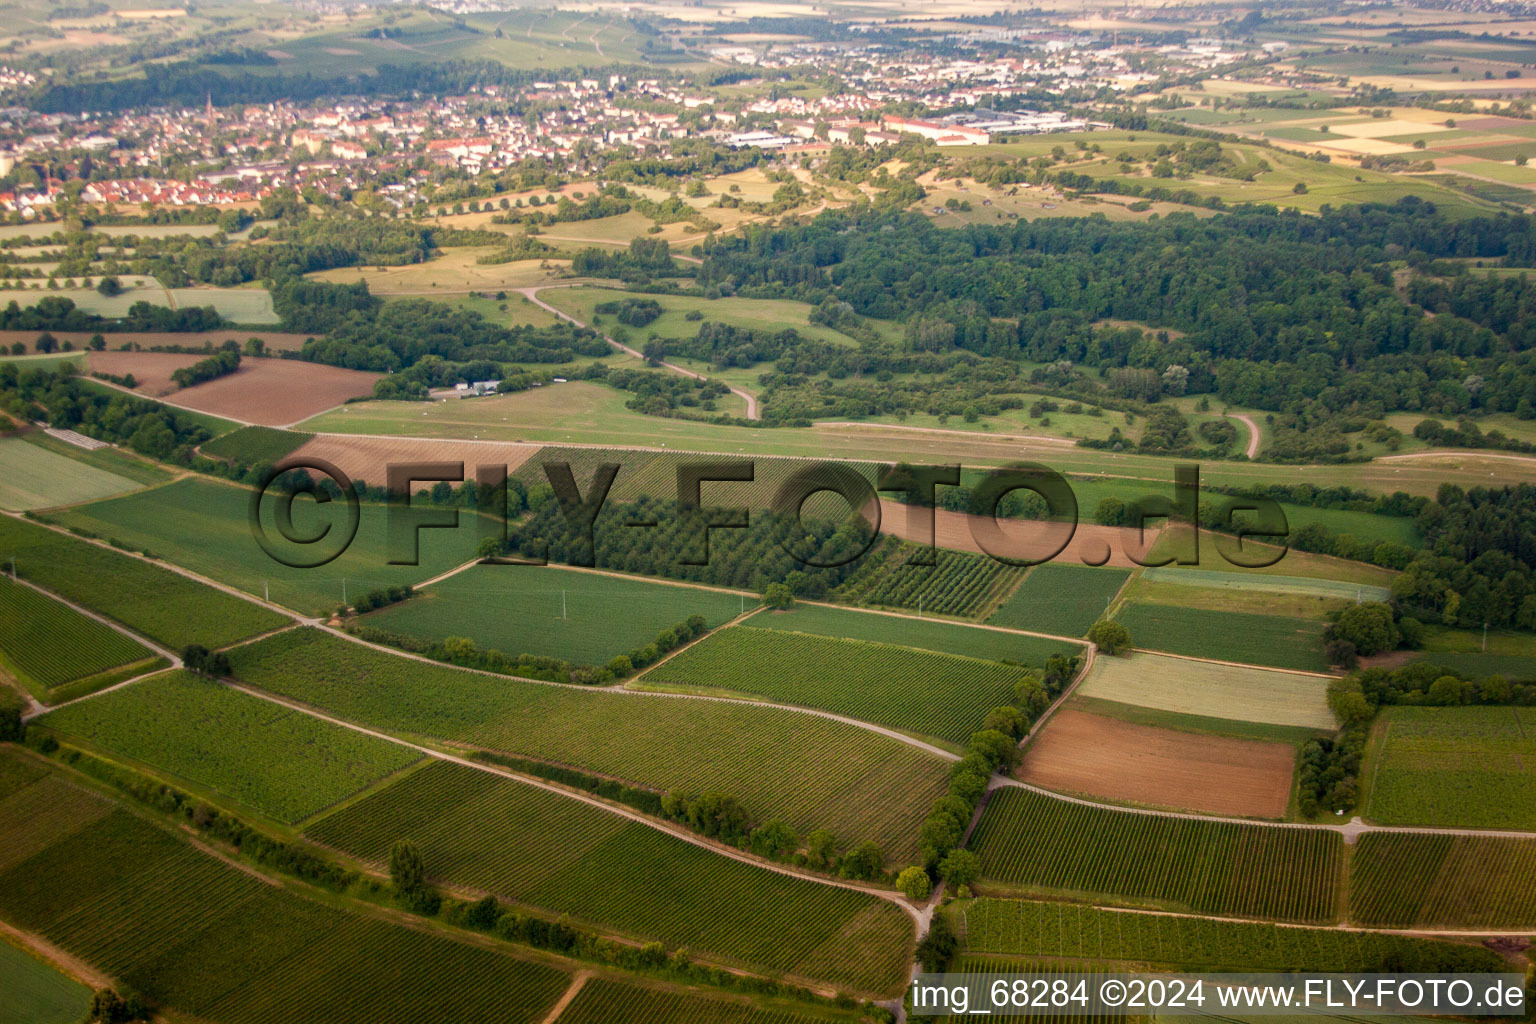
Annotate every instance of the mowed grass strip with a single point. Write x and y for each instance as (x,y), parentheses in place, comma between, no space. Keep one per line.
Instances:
(46,644)
(1060,599)
(1035,842)
(281,762)
(213,537)
(1227,636)
(1056,929)
(31,477)
(1423,880)
(582,617)
(1210,691)
(38,993)
(202,938)
(908,631)
(1462,767)
(152,601)
(813,772)
(940,695)
(609,1001)
(549,851)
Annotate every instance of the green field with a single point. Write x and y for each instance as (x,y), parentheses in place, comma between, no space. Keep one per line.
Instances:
(925,634)
(771,315)
(537,848)
(31,477)
(47,646)
(251,445)
(813,772)
(36,993)
(1074,931)
(961,584)
(213,537)
(938,695)
(604,1001)
(282,763)
(1462,767)
(1422,880)
(116,461)
(202,938)
(153,601)
(581,617)
(1033,842)
(1265,583)
(1061,599)
(1205,690)
(1227,636)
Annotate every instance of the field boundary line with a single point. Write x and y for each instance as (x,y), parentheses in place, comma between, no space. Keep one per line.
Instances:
(1039,723)
(1236,664)
(677,832)
(1076,641)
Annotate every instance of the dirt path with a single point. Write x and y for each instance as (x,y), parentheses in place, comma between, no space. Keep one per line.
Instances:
(1237,664)
(577,981)
(60,960)
(1253,432)
(1441,453)
(1069,442)
(532,295)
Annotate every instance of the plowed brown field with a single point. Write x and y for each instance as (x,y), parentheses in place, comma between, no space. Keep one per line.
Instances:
(1020,538)
(1096,756)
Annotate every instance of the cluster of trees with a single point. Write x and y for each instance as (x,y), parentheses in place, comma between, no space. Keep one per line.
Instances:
(199,659)
(1478,558)
(220,364)
(1425,683)
(630,311)
(58,313)
(382,597)
(59,397)
(1328,778)
(1467,434)
(939,837)
(645,259)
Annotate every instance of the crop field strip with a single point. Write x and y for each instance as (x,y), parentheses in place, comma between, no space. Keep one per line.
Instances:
(37,993)
(155,602)
(47,644)
(972,963)
(251,445)
(1200,689)
(940,695)
(544,850)
(213,538)
(1076,931)
(907,631)
(1422,880)
(1060,599)
(1455,767)
(1242,637)
(206,939)
(606,1001)
(1028,840)
(277,761)
(961,584)
(582,617)
(32,476)
(814,772)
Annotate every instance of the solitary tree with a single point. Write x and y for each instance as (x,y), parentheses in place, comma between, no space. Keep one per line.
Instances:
(778,595)
(914,883)
(1109,636)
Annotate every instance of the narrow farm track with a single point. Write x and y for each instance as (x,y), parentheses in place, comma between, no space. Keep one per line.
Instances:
(532,295)
(1253,432)
(1235,664)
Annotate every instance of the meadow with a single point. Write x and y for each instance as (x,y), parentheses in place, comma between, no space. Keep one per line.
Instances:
(1060,598)
(281,763)
(155,602)
(1245,637)
(582,617)
(1075,931)
(1461,767)
(905,631)
(547,851)
(38,993)
(939,695)
(251,445)
(812,772)
(1238,583)
(31,477)
(50,648)
(214,538)
(1422,880)
(203,938)
(606,1001)
(1034,842)
(1204,690)
(771,315)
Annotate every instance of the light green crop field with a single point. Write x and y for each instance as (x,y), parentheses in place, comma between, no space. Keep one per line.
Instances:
(53,649)
(581,617)
(283,763)
(906,631)
(1211,691)
(1265,583)
(1032,842)
(34,477)
(1061,599)
(237,305)
(116,461)
(1462,767)
(203,939)
(1227,636)
(149,599)
(213,537)
(812,772)
(1423,880)
(938,695)
(548,851)
(37,993)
